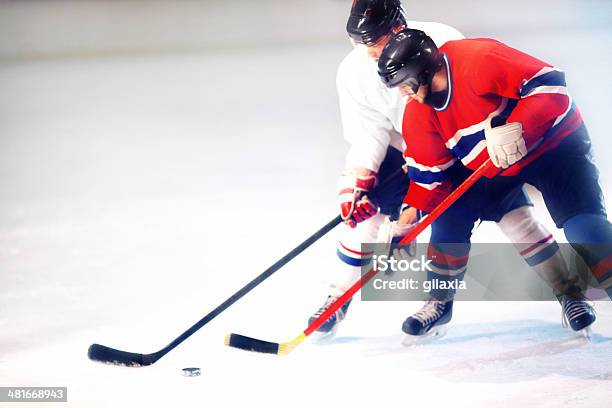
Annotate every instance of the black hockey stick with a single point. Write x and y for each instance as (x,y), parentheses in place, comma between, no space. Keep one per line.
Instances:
(104,354)
(98,352)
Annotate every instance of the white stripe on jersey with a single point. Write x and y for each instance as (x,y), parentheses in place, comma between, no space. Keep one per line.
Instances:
(475,152)
(452,142)
(434,169)
(547,89)
(429,187)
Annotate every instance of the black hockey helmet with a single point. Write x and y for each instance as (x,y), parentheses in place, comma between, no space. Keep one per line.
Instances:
(372,19)
(409,57)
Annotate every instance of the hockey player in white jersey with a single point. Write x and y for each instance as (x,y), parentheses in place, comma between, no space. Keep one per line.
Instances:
(371,117)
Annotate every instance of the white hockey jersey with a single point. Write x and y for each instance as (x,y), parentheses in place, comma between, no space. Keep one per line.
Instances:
(372,113)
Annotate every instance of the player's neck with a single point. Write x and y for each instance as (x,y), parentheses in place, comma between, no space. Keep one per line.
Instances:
(439,82)
(439,95)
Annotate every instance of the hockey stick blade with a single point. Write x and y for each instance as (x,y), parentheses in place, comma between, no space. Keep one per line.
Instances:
(251,344)
(107,355)
(261,346)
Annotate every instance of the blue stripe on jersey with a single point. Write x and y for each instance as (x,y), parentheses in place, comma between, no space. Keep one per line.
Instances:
(553,78)
(352,261)
(427,177)
(467,143)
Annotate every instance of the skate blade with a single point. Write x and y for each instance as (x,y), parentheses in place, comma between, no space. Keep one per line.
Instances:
(586,333)
(324,337)
(432,335)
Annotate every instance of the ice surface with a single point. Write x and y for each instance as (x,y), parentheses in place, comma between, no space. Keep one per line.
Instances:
(138,192)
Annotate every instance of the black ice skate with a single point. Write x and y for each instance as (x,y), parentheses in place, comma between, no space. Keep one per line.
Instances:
(577,313)
(429,322)
(328,329)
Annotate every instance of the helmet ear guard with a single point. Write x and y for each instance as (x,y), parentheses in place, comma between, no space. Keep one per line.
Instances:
(427,75)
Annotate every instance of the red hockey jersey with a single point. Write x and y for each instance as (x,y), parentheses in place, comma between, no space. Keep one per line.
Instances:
(486,79)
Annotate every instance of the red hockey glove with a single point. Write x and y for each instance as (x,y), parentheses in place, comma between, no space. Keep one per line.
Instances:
(355,206)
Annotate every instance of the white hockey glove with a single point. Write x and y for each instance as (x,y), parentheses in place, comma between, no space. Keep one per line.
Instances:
(408,219)
(393,232)
(505,144)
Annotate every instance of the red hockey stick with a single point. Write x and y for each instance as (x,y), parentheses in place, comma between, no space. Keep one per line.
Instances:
(261,346)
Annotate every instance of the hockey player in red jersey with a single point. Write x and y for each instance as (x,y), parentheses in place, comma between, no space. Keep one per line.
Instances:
(372,119)
(479,98)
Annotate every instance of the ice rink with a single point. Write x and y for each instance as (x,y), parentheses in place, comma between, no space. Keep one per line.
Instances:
(145,180)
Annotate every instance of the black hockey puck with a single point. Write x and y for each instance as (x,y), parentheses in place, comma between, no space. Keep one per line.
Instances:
(191,371)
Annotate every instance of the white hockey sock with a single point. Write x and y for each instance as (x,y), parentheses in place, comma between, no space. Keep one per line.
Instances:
(350,256)
(537,246)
